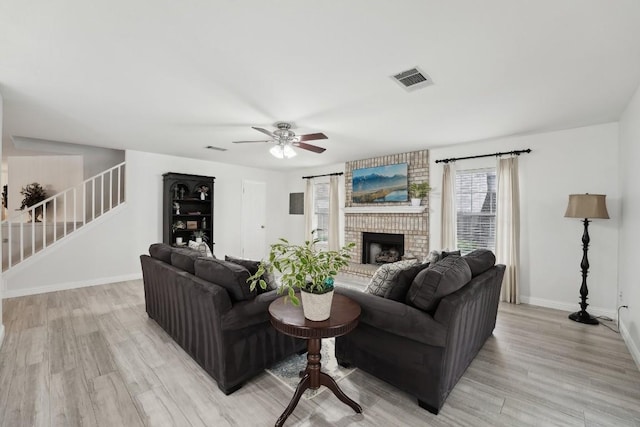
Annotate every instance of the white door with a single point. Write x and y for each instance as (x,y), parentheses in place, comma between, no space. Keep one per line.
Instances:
(254,213)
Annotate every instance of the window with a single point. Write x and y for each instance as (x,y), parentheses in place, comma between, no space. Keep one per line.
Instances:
(476,209)
(321,210)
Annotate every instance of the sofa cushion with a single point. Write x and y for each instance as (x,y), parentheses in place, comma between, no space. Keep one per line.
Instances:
(232,277)
(480,261)
(161,251)
(183,258)
(252,266)
(438,281)
(402,282)
(383,278)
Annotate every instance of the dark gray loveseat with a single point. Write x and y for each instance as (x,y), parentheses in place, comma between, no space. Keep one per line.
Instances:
(207,308)
(425,352)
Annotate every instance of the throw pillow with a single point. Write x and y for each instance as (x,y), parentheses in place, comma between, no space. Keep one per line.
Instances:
(383,278)
(252,266)
(232,277)
(432,258)
(480,261)
(402,282)
(199,247)
(438,281)
(445,254)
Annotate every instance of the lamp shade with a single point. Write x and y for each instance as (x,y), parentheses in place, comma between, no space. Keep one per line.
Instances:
(587,206)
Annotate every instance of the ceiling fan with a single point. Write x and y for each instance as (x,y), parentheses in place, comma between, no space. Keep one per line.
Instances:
(285,139)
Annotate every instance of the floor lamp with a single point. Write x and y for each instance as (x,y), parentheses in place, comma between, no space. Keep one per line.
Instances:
(585,206)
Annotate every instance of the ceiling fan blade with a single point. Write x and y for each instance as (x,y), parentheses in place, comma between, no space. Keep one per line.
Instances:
(312,136)
(266,132)
(247,142)
(309,147)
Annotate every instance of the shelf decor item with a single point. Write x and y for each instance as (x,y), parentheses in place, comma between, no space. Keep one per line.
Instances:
(417,191)
(306,269)
(192,225)
(203,190)
(585,206)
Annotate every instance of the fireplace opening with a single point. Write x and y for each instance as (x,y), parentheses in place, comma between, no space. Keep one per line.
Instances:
(382,248)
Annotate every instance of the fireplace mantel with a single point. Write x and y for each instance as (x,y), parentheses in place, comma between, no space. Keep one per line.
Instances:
(385,209)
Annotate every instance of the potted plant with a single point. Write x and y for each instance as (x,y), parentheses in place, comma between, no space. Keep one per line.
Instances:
(307,269)
(33,194)
(417,191)
(199,236)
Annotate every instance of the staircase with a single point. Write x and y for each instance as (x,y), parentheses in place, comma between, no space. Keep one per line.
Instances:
(30,232)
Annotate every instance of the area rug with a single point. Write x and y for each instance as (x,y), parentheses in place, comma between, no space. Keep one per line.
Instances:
(287,371)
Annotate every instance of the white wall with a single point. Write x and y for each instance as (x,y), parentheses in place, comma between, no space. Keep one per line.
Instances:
(54,173)
(110,252)
(2,182)
(582,160)
(95,159)
(628,278)
(295,184)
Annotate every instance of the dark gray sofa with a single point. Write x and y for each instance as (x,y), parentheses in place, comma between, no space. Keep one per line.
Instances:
(423,352)
(205,305)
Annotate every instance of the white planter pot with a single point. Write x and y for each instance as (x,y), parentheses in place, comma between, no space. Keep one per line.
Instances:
(415,202)
(316,307)
(198,239)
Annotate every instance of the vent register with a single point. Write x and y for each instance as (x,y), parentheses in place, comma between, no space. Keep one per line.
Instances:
(211,147)
(413,79)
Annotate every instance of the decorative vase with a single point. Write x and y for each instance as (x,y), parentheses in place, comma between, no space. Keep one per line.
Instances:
(202,196)
(415,201)
(316,307)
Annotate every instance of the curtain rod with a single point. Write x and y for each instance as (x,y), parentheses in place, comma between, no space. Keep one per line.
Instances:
(504,153)
(326,174)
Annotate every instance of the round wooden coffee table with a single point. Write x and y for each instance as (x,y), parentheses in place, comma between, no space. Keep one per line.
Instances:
(289,320)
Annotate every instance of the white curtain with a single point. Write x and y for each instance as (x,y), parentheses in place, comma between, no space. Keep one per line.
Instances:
(334,213)
(308,211)
(448,223)
(508,228)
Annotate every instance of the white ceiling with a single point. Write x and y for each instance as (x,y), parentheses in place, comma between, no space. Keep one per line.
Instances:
(173,77)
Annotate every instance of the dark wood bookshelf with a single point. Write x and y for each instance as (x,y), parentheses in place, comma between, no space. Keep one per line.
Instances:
(183,189)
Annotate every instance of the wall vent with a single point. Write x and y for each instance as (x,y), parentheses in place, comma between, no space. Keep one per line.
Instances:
(211,147)
(413,79)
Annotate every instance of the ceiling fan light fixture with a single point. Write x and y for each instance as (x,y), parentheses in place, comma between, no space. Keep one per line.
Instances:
(282,151)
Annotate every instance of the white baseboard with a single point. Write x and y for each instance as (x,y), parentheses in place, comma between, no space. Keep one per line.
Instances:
(13,293)
(1,332)
(596,311)
(631,345)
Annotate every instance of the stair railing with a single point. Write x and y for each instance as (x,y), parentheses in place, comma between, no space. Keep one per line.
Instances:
(62,214)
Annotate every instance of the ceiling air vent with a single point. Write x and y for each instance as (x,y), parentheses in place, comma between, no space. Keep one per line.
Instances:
(413,79)
(211,147)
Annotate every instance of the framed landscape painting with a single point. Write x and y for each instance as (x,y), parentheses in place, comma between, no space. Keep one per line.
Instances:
(380,184)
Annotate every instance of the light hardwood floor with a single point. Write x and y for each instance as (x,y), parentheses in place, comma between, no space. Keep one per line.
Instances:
(91,356)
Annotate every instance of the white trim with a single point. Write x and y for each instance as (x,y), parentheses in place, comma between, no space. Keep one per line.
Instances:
(1,331)
(596,311)
(631,345)
(71,285)
(385,209)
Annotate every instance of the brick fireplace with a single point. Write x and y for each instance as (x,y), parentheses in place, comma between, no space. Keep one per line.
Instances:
(389,217)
